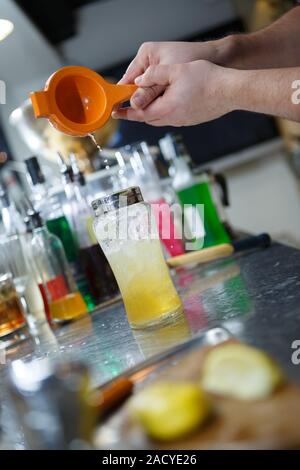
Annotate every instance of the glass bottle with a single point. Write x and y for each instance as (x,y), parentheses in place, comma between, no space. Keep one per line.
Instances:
(50,209)
(92,260)
(18,261)
(11,218)
(194,193)
(57,285)
(142,172)
(126,231)
(70,211)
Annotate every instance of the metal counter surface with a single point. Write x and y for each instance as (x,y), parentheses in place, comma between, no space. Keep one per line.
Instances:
(256,296)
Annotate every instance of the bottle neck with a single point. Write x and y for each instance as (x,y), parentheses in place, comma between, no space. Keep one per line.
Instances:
(39,194)
(12,220)
(40,231)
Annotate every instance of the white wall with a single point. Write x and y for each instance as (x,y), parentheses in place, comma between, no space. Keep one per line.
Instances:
(111,32)
(26,61)
(265,196)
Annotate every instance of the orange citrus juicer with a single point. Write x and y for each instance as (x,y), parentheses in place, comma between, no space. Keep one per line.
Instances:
(78,101)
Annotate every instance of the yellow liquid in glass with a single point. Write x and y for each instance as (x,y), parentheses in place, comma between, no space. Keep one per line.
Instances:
(144,281)
(68,307)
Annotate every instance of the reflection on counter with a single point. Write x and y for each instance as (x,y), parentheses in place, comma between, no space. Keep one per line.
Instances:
(163,338)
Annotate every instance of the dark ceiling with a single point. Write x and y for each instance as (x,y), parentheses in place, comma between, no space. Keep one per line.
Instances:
(56,19)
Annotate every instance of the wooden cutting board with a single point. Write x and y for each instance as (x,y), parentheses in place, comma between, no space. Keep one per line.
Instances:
(273,423)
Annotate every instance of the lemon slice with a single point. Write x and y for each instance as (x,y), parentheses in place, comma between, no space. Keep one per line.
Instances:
(169,410)
(240,371)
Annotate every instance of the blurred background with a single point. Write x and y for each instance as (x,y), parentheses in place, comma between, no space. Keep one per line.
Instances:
(259,156)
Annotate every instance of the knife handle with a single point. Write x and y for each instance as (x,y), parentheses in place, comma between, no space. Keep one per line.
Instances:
(110,396)
(201,256)
(257,241)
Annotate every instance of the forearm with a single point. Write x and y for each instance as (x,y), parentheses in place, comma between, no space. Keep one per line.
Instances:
(273,47)
(263,91)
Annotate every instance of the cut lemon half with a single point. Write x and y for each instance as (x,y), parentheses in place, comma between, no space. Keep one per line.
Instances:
(240,371)
(169,410)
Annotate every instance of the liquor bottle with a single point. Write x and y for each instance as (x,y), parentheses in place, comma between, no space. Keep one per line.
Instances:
(18,260)
(11,218)
(70,213)
(50,209)
(143,173)
(205,227)
(57,221)
(92,260)
(57,285)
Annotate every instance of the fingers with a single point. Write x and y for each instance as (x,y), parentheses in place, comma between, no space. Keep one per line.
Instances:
(128,114)
(146,104)
(137,66)
(144,96)
(154,80)
(155,75)
(154,111)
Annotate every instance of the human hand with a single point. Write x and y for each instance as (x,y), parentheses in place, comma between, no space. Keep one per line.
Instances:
(195,92)
(163,53)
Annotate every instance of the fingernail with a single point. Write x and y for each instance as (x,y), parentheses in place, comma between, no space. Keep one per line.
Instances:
(138,79)
(115,115)
(138,100)
(121,79)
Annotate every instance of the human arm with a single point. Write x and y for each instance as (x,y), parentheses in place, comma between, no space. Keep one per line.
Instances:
(273,47)
(200,91)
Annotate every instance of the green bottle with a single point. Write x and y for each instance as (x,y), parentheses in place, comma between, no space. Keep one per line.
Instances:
(60,227)
(214,231)
(193,192)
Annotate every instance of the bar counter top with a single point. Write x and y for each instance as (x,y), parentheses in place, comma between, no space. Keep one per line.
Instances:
(256,296)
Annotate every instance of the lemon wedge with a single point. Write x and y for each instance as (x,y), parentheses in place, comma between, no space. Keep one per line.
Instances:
(241,372)
(169,410)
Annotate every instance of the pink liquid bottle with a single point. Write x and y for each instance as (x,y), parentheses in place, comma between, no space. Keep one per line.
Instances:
(144,173)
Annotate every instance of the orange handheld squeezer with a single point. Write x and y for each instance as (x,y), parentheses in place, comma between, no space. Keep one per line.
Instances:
(78,101)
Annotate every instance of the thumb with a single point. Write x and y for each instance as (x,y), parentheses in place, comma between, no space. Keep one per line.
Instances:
(154,75)
(144,96)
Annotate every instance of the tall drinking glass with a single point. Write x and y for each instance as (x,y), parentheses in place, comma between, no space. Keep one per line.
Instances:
(126,231)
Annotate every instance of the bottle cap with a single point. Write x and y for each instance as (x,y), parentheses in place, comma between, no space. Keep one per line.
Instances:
(35,220)
(65,170)
(78,176)
(34,171)
(115,201)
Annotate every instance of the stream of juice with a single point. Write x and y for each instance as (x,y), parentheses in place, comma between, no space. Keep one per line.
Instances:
(94,140)
(144,281)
